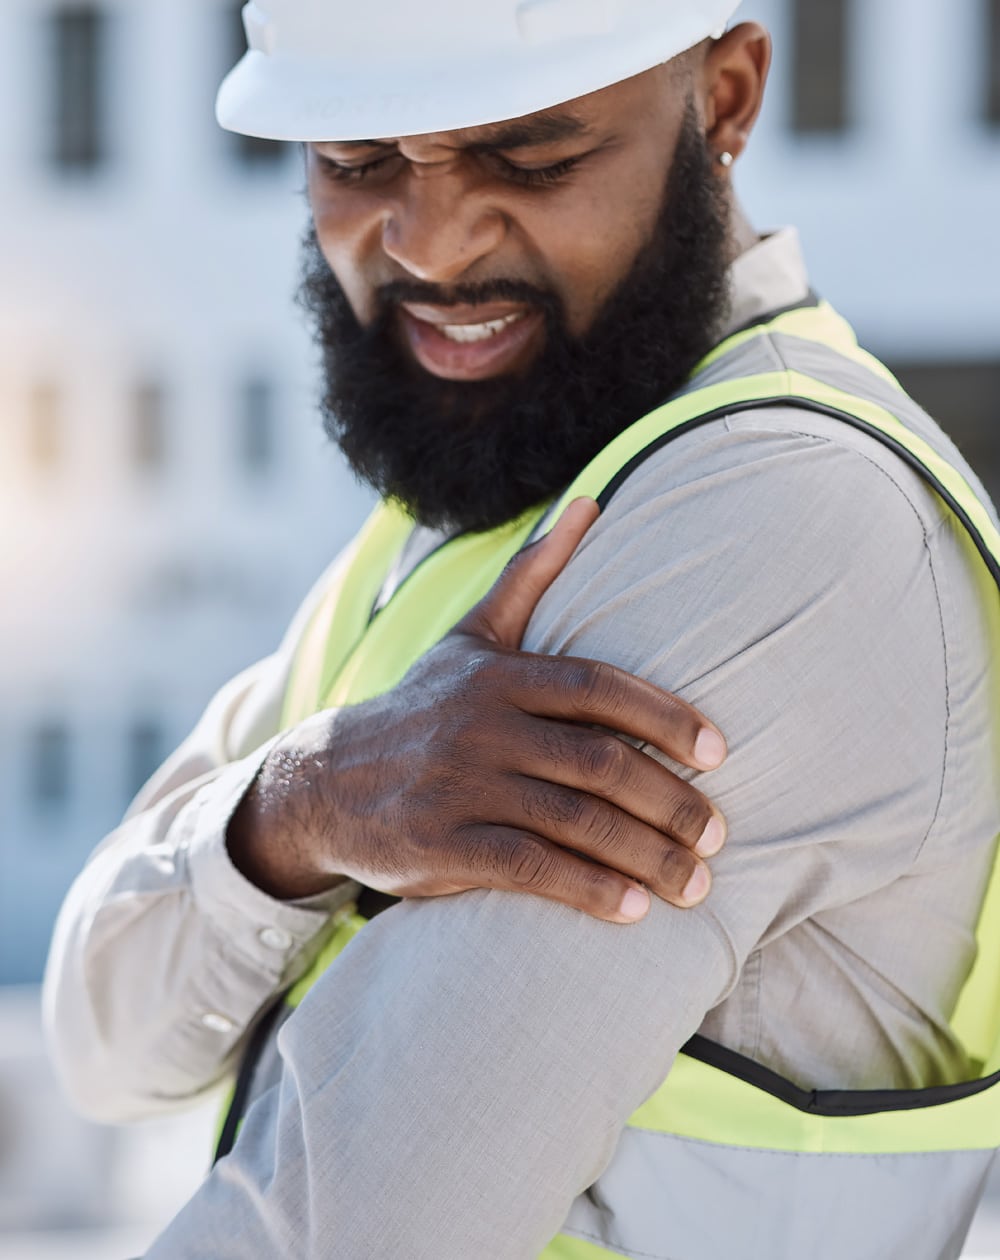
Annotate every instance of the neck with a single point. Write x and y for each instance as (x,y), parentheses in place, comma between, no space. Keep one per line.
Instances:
(742,234)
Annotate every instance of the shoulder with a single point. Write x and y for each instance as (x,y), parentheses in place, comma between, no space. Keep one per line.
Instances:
(780,571)
(743,526)
(781,462)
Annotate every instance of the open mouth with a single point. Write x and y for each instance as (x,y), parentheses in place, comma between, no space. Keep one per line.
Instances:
(467,333)
(469,343)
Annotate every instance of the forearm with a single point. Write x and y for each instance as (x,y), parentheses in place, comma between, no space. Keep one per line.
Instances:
(163,954)
(160,934)
(521,1037)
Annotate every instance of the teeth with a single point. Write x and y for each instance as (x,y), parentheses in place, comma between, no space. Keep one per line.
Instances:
(478,332)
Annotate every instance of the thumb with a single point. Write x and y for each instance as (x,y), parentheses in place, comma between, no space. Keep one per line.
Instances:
(503,615)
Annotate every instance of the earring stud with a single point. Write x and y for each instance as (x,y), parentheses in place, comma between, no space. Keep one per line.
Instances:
(726,159)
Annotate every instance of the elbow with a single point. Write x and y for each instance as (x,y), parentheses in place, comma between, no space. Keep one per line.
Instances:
(100,1087)
(91,1094)
(101,1080)
(90,1079)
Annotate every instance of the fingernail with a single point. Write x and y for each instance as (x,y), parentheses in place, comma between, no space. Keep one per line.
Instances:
(578,506)
(709,748)
(635,904)
(588,499)
(696,889)
(712,838)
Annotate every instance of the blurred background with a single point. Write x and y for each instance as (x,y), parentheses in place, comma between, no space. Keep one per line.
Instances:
(167,497)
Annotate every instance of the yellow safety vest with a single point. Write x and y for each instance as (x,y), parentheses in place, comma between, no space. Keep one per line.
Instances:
(754,1165)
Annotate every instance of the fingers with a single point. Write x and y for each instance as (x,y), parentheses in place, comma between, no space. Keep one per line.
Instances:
(576,689)
(593,692)
(503,615)
(521,862)
(599,764)
(671,868)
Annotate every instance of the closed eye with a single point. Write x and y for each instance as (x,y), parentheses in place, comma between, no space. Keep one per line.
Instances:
(533,175)
(354,172)
(385,163)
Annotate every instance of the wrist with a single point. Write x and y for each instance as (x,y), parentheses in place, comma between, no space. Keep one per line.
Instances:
(269,837)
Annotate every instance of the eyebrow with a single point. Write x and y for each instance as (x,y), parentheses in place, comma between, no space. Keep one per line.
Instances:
(541,129)
(521,134)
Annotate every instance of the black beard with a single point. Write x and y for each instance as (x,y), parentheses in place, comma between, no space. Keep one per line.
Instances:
(470,455)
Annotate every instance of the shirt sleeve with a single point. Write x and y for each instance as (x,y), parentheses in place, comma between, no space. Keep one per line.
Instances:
(466,1066)
(163,953)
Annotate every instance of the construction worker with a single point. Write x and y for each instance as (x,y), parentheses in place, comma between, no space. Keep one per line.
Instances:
(532,285)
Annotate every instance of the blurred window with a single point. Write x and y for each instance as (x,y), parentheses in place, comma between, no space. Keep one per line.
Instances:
(149,435)
(45,445)
(249,150)
(257,426)
(820,68)
(146,752)
(50,775)
(992,50)
(79,79)
(962,398)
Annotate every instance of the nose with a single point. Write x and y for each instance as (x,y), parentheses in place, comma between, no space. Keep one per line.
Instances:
(439,226)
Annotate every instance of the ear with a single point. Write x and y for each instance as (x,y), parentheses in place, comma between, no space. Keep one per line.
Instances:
(733,77)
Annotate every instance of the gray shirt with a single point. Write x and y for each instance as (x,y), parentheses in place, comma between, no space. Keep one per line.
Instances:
(464,1070)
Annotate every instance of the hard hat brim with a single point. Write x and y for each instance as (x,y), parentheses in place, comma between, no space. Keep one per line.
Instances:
(280,96)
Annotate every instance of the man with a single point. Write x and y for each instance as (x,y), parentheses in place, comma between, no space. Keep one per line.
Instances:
(525,240)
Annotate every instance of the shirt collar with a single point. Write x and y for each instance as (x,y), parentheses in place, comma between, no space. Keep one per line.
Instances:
(769,276)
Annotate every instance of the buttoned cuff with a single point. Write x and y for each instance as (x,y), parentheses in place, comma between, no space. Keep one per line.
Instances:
(266,932)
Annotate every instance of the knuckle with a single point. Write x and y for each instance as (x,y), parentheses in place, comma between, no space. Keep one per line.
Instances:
(597,688)
(527,864)
(463,852)
(689,816)
(601,892)
(550,804)
(553,743)
(596,825)
(675,868)
(605,764)
(537,672)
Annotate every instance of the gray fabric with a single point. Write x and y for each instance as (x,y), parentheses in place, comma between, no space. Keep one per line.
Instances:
(164,954)
(780,348)
(770,1205)
(465,1068)
(816,595)
(259,1070)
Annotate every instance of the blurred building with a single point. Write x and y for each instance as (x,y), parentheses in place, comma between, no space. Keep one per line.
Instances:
(881,141)
(165,492)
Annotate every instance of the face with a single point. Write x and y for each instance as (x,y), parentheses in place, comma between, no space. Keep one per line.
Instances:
(495,304)
(562,201)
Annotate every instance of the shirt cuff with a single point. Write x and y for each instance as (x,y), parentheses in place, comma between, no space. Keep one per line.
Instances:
(269,933)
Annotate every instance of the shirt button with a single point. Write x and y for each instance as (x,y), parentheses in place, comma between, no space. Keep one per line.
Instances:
(275,938)
(217,1023)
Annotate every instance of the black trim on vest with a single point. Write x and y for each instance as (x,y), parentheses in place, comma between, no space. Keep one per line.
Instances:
(379,605)
(830,1102)
(806,404)
(369,902)
(244,1079)
(833,1102)
(809,302)
(814,1102)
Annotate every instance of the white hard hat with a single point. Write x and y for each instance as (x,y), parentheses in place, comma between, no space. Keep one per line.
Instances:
(350,70)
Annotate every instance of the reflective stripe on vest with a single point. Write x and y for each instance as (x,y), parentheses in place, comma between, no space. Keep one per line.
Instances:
(726,1159)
